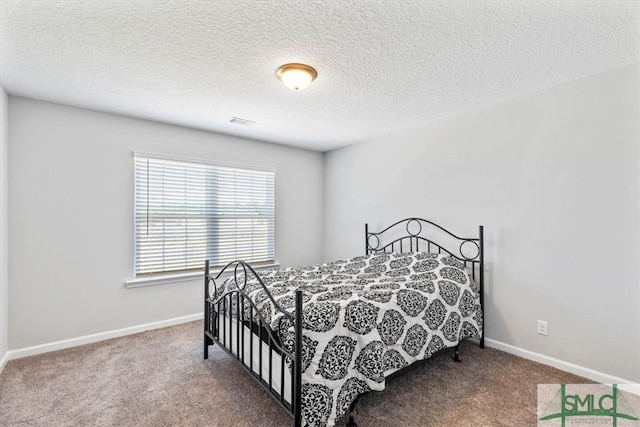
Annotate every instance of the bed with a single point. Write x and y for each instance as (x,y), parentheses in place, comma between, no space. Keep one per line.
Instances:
(316,338)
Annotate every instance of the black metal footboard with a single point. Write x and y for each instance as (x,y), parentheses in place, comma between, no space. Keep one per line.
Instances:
(232,320)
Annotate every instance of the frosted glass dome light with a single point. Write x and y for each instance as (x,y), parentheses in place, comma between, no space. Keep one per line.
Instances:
(296,76)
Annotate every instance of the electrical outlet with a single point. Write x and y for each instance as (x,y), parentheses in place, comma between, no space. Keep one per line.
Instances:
(542,327)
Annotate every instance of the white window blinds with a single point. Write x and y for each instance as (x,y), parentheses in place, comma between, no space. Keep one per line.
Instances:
(188,212)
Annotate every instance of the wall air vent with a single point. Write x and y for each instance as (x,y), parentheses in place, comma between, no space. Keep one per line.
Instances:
(243,122)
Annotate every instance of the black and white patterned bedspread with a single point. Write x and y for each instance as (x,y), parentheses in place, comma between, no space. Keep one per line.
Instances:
(365,318)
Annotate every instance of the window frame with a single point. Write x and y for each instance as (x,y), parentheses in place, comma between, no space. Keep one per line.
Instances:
(147,279)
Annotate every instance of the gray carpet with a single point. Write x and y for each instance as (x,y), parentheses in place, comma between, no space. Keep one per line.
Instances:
(158,378)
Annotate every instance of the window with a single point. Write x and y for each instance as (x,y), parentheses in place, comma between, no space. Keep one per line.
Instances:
(187,212)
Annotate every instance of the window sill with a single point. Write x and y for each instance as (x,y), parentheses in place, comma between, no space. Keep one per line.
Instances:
(183,277)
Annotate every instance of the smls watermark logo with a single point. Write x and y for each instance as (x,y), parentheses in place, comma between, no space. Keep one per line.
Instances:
(586,404)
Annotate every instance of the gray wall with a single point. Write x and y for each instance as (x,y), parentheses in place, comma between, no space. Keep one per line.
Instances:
(554,178)
(71,209)
(4,226)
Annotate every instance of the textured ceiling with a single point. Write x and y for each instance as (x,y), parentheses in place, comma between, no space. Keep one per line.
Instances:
(383,66)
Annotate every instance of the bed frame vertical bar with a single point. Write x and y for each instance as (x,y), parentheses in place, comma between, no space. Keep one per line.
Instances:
(297,386)
(218,319)
(207,317)
(270,362)
(366,239)
(230,314)
(481,231)
(251,339)
(242,322)
(260,328)
(238,324)
(224,319)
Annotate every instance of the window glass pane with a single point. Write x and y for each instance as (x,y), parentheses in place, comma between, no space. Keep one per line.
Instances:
(188,212)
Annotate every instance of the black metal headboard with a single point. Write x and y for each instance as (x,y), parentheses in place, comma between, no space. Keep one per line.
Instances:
(421,235)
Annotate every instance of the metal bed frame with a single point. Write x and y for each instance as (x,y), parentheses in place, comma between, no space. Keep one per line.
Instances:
(218,325)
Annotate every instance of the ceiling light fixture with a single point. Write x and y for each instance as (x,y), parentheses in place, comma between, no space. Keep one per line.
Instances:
(296,76)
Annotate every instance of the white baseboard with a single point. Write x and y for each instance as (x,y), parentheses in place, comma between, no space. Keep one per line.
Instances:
(3,361)
(88,339)
(591,374)
(626,385)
